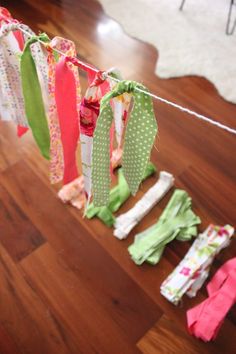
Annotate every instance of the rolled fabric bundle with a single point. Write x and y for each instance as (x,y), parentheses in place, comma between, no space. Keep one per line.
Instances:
(118,195)
(73,193)
(127,221)
(177,221)
(192,271)
(205,320)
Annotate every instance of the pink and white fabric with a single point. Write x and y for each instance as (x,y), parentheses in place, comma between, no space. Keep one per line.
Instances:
(189,276)
(206,319)
(11,96)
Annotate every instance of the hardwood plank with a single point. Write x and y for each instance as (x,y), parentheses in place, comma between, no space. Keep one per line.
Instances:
(7,344)
(167,338)
(17,234)
(25,317)
(76,306)
(82,252)
(12,147)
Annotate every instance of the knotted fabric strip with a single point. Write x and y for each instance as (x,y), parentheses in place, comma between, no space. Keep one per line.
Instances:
(177,221)
(205,320)
(118,195)
(67,109)
(12,106)
(56,149)
(127,221)
(34,105)
(5,17)
(89,112)
(192,271)
(139,138)
(14,33)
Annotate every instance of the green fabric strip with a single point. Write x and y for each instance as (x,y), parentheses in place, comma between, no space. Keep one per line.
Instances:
(177,221)
(117,196)
(34,106)
(139,138)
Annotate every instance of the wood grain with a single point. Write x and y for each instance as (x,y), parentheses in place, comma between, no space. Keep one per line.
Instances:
(67,285)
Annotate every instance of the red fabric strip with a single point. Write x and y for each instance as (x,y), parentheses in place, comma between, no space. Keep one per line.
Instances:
(65,96)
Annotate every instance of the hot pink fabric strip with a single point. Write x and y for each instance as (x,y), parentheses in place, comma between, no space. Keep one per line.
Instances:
(65,96)
(205,320)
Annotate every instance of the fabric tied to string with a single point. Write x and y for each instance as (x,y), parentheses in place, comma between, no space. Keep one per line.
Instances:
(34,105)
(89,112)
(67,109)
(56,149)
(205,320)
(99,85)
(118,195)
(12,106)
(177,221)
(192,271)
(127,221)
(139,137)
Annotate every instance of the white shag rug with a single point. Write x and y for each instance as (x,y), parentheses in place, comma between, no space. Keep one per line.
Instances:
(189,42)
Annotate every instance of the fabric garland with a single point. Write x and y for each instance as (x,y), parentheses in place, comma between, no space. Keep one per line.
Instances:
(177,221)
(192,271)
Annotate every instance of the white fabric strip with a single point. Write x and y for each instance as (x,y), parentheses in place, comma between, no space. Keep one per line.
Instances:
(193,270)
(126,222)
(11,97)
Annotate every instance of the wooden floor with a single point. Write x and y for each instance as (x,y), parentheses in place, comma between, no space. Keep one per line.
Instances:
(66,284)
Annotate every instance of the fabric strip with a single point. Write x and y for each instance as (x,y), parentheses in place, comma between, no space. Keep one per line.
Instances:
(65,95)
(126,222)
(205,320)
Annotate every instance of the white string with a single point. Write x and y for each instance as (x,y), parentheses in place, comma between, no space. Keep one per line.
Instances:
(170,103)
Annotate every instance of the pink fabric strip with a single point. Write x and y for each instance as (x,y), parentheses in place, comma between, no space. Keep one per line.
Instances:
(65,96)
(205,319)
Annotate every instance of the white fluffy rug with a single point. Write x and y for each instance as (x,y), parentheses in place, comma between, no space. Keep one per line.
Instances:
(191,42)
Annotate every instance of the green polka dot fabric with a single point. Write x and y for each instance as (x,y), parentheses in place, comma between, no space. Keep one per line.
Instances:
(138,141)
